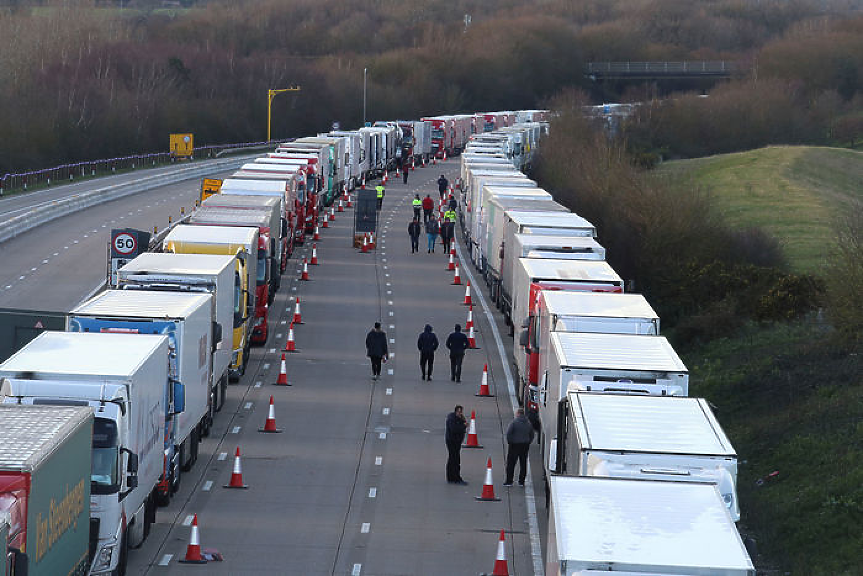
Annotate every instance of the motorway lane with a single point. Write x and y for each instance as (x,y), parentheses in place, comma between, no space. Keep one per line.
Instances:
(54,266)
(355,484)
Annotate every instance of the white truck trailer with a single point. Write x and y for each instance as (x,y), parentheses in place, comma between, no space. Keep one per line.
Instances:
(607,527)
(487,213)
(673,439)
(124,378)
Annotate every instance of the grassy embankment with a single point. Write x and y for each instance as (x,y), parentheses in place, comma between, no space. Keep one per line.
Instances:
(790,401)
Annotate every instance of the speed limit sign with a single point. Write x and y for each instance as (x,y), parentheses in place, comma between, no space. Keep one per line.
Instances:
(124,243)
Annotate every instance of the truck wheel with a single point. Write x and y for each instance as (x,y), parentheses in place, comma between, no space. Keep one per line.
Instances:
(176,476)
(149,513)
(161,499)
(189,447)
(193,447)
(223,392)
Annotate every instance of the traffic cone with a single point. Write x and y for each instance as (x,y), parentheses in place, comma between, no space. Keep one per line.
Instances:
(483,386)
(472,440)
(434,160)
(314,261)
(413,165)
(386,176)
(452,250)
(332,214)
(500,567)
(364,183)
(290,345)
(472,339)
(237,474)
(350,204)
(457,278)
(341,206)
(467,300)
(193,550)
(324,221)
(298,317)
(451,265)
(469,324)
(270,424)
(305,275)
(365,243)
(371,240)
(444,155)
(488,486)
(317,235)
(283,373)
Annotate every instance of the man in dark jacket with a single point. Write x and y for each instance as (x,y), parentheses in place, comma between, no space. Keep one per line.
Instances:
(456,343)
(442,184)
(376,349)
(452,204)
(427,344)
(432,230)
(428,208)
(414,231)
(445,237)
(519,435)
(456,426)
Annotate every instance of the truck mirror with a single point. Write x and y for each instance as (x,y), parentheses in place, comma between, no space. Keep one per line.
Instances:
(217,335)
(179,397)
(131,461)
(524,340)
(132,481)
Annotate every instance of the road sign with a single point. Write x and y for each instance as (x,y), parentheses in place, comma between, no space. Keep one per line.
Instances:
(124,243)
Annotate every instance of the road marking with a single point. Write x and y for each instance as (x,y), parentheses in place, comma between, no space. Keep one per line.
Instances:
(392,326)
(266,366)
(166,559)
(379,460)
(391,312)
(365,528)
(382,435)
(392,340)
(207,485)
(389,391)
(33,270)
(44,261)
(272,350)
(257,384)
(222,456)
(390,371)
(373,492)
(56,253)
(388,284)
(235,430)
(389,291)
(392,354)
(187,521)
(356,570)
(284,322)
(22,277)
(278,336)
(385,411)
(248,406)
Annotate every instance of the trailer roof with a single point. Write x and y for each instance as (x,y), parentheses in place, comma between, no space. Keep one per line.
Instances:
(233,184)
(557,269)
(169,263)
(671,425)
(219,215)
(542,241)
(643,524)
(598,304)
(212,234)
(114,356)
(617,352)
(528,203)
(558,220)
(30,432)
(228,200)
(143,304)
(491,190)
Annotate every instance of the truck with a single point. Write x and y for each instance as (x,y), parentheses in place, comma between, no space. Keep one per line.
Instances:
(674,439)
(462,131)
(608,526)
(472,186)
(329,169)
(45,489)
(124,378)
(441,136)
(310,197)
(374,142)
(241,244)
(338,159)
(388,137)
(292,193)
(416,141)
(195,273)
(268,278)
(186,319)
(355,156)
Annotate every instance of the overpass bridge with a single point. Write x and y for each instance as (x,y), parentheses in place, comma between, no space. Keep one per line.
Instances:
(660,70)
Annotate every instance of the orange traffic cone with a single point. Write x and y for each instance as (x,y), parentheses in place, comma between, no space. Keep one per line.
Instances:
(290,345)
(413,164)
(237,474)
(469,324)
(488,486)
(451,265)
(332,214)
(472,440)
(298,317)
(457,278)
(483,386)
(386,176)
(471,339)
(341,206)
(371,240)
(350,204)
(325,222)
(317,235)
(305,275)
(452,250)
(444,155)
(283,373)
(364,183)
(467,300)
(270,424)
(193,550)
(500,567)
(434,160)
(365,243)
(314,261)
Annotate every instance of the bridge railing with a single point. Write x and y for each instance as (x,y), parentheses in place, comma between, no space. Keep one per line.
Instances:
(93,168)
(661,68)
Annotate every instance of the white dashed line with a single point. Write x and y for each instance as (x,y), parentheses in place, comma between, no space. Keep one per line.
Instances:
(379,460)
(248,406)
(266,366)
(257,384)
(389,391)
(365,528)
(187,521)
(373,492)
(166,560)
(272,350)
(207,485)
(390,371)
(392,340)
(385,411)
(382,435)
(357,569)
(235,430)
(222,456)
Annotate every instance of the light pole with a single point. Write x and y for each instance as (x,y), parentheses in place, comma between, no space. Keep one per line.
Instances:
(365,70)
(270,95)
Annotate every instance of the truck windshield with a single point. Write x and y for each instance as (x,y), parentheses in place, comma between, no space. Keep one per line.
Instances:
(262,267)
(103,470)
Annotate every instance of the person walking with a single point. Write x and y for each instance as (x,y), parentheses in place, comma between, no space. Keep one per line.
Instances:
(380,190)
(448,225)
(376,349)
(414,231)
(519,435)
(442,184)
(453,203)
(405,174)
(456,343)
(428,207)
(456,427)
(432,230)
(417,205)
(445,237)
(427,344)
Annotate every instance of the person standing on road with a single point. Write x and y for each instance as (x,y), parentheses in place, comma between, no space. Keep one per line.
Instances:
(432,230)
(414,231)
(456,427)
(519,435)
(428,207)
(417,205)
(456,343)
(445,237)
(405,175)
(442,184)
(376,349)
(452,204)
(380,190)
(427,344)
(448,225)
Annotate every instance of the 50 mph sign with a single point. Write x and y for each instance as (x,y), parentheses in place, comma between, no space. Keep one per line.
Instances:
(124,243)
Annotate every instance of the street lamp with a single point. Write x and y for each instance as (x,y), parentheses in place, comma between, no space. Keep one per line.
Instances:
(364,95)
(270,95)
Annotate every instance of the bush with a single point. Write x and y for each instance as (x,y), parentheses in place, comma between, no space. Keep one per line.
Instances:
(845,279)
